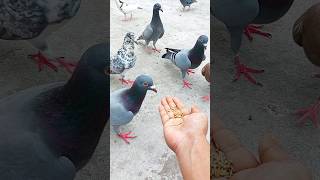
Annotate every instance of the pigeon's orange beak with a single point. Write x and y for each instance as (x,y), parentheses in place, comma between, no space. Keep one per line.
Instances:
(153,88)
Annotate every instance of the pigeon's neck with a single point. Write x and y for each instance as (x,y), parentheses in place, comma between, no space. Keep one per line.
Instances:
(155,17)
(196,54)
(135,97)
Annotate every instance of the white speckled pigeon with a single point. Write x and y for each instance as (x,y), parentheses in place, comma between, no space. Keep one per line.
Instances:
(126,8)
(51,131)
(154,30)
(125,103)
(125,58)
(238,15)
(34,20)
(187,59)
(187,3)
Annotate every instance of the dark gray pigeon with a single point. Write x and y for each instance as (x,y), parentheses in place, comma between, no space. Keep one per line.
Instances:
(154,30)
(34,20)
(125,103)
(187,59)
(187,3)
(238,17)
(51,131)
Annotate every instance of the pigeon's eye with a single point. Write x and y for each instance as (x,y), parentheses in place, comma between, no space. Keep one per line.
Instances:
(145,84)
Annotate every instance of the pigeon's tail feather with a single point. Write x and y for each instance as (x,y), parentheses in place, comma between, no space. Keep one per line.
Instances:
(169,54)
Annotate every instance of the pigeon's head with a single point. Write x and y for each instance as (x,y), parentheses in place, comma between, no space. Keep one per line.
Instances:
(157,7)
(203,40)
(129,39)
(144,83)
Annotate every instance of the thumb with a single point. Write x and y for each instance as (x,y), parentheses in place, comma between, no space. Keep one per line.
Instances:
(270,150)
(195,109)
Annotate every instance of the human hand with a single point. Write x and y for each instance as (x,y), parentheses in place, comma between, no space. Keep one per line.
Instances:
(273,163)
(182,131)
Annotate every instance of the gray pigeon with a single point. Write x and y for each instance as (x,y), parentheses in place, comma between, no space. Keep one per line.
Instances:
(51,131)
(34,20)
(187,3)
(187,59)
(124,59)
(125,103)
(238,16)
(154,30)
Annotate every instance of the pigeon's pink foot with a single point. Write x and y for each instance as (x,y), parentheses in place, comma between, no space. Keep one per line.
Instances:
(126,82)
(156,50)
(69,66)
(42,60)
(190,71)
(246,71)
(206,98)
(311,112)
(186,84)
(254,29)
(126,136)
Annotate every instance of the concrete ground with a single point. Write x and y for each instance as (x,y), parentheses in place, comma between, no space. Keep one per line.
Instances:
(148,157)
(288,86)
(17,72)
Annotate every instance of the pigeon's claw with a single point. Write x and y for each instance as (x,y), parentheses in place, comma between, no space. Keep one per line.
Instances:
(254,29)
(186,84)
(42,60)
(126,136)
(311,112)
(206,98)
(246,71)
(69,66)
(156,50)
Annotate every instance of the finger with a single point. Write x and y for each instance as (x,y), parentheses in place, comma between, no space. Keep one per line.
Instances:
(178,103)
(163,114)
(228,143)
(270,150)
(167,108)
(195,109)
(171,103)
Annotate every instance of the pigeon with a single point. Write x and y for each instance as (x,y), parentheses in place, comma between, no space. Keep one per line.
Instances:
(187,3)
(154,30)
(187,59)
(126,8)
(306,34)
(206,73)
(238,17)
(49,132)
(125,103)
(34,21)
(125,58)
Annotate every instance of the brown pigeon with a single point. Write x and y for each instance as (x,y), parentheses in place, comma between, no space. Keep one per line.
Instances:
(306,34)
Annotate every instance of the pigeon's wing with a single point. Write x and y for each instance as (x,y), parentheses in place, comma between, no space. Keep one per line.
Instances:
(270,11)
(23,155)
(147,33)
(25,19)
(21,19)
(182,61)
(161,33)
(119,115)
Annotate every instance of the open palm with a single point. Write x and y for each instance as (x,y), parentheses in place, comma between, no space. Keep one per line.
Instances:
(273,162)
(181,130)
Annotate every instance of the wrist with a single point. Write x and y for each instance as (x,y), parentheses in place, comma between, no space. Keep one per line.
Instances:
(194,158)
